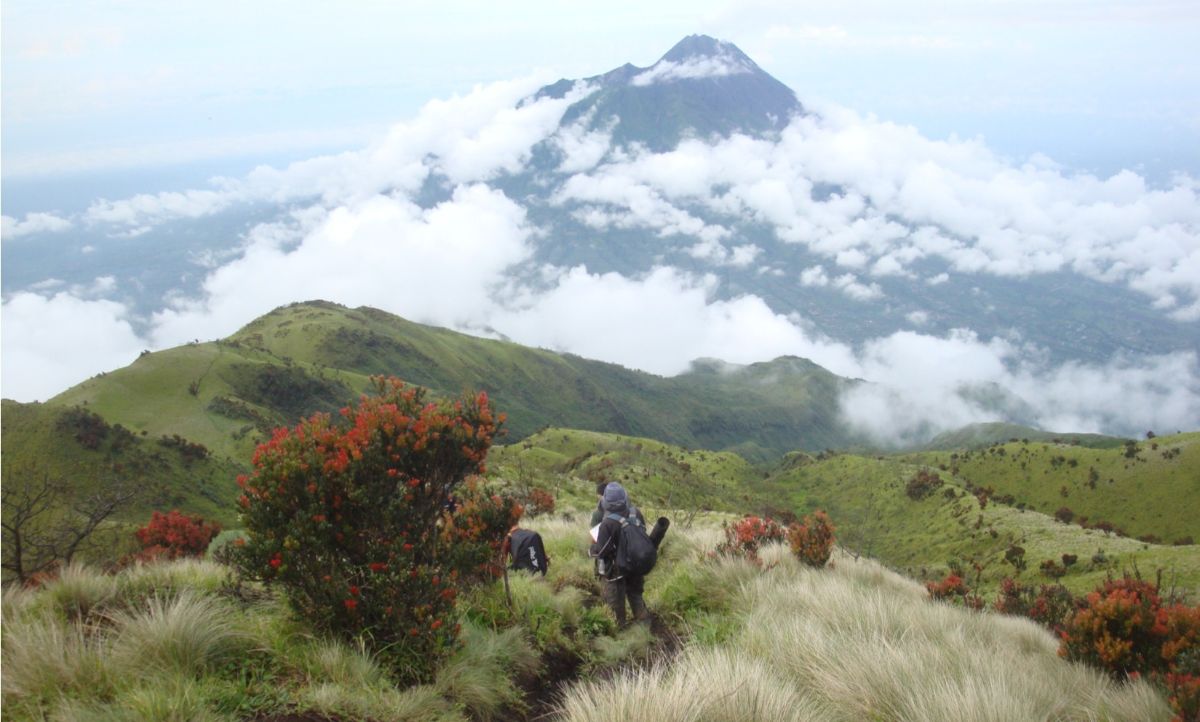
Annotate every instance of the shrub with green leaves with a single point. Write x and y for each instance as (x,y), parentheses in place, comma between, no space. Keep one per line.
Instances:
(342,512)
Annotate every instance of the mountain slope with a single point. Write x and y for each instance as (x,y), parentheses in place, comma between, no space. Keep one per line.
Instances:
(1138,487)
(315,356)
(77,447)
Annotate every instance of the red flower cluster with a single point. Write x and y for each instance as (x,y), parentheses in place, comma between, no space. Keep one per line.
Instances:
(745,537)
(1124,628)
(174,535)
(353,503)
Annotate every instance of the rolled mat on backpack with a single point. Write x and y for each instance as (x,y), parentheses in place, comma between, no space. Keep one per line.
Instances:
(659,530)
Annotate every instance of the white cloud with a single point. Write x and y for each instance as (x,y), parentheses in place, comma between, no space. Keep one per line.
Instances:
(714,66)
(849,284)
(814,276)
(922,385)
(858,194)
(581,148)
(901,197)
(467,138)
(660,323)
(11,228)
(437,266)
(917,318)
(53,342)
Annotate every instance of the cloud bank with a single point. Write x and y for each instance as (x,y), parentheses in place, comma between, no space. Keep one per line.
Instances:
(873,200)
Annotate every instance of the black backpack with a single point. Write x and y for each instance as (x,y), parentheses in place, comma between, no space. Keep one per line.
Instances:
(528,551)
(636,553)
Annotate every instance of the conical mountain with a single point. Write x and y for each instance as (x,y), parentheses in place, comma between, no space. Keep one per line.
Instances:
(701,87)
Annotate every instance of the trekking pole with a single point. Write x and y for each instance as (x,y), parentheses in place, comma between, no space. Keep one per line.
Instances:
(504,569)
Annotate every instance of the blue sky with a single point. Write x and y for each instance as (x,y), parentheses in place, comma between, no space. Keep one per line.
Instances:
(120,88)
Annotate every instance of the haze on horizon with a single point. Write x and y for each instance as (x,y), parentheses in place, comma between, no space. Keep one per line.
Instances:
(107,111)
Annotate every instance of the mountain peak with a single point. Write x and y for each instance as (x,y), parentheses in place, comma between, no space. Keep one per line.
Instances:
(702,46)
(702,87)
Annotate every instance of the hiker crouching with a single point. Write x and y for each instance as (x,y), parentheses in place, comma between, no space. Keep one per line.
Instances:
(623,559)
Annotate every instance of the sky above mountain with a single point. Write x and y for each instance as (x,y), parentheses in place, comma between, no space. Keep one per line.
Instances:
(356,226)
(100,86)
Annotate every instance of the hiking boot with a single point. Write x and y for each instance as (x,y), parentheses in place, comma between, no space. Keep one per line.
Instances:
(638,606)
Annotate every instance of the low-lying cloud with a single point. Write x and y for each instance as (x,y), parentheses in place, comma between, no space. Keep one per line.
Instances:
(871,199)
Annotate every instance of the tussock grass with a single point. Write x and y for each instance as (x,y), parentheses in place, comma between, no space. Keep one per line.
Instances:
(859,642)
(630,645)
(184,634)
(334,662)
(480,676)
(172,700)
(713,685)
(79,591)
(171,577)
(415,704)
(46,658)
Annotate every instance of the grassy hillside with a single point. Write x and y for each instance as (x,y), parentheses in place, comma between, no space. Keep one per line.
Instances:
(864,495)
(571,462)
(977,436)
(732,641)
(70,444)
(867,500)
(1144,488)
(314,356)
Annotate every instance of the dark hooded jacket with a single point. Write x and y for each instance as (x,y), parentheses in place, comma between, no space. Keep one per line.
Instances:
(616,502)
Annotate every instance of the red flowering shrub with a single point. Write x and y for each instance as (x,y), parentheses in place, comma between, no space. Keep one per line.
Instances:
(539,502)
(174,535)
(1050,605)
(1120,628)
(343,514)
(922,484)
(1183,694)
(744,538)
(472,534)
(947,589)
(811,539)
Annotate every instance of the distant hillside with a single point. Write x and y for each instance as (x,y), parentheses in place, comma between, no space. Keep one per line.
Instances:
(866,499)
(315,356)
(75,446)
(977,436)
(1145,488)
(571,462)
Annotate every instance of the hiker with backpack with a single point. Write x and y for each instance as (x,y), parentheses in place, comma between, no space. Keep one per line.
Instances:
(526,551)
(624,553)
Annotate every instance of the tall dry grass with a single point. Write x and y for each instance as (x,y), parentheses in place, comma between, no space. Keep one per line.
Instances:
(858,642)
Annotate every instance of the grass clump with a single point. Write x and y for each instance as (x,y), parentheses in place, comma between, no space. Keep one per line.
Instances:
(186,634)
(481,675)
(46,658)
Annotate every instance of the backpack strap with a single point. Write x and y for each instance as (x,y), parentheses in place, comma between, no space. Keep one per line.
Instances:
(623,520)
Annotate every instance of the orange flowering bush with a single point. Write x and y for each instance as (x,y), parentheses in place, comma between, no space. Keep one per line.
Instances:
(811,539)
(540,502)
(1050,605)
(342,513)
(174,535)
(1124,628)
(1120,628)
(472,534)
(745,537)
